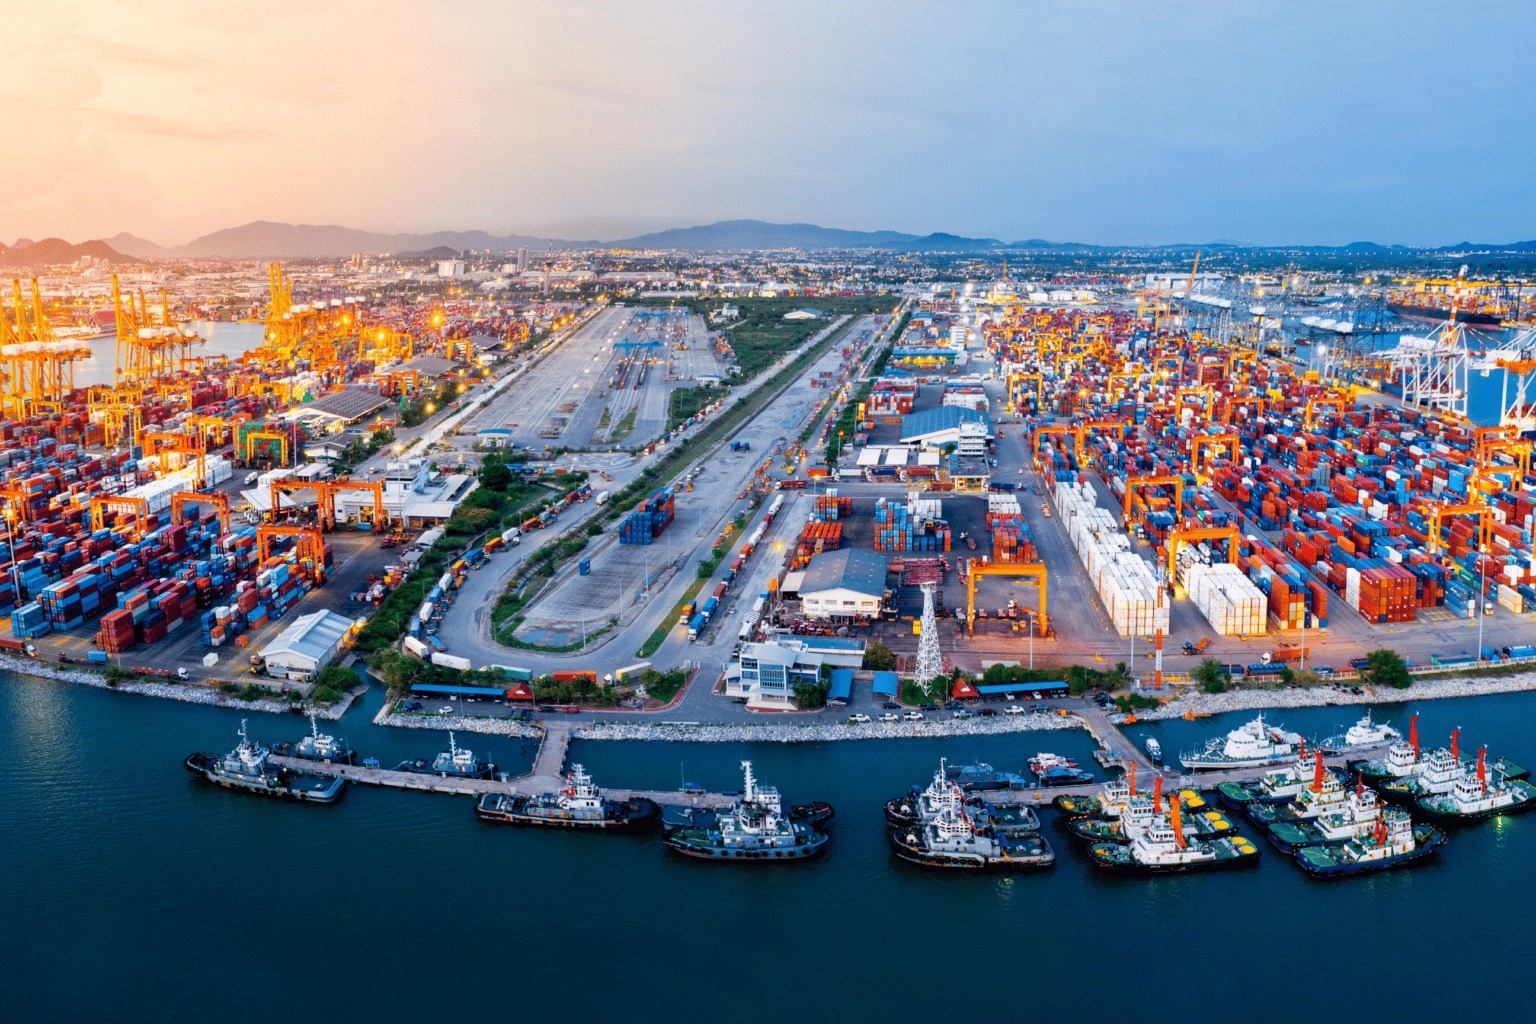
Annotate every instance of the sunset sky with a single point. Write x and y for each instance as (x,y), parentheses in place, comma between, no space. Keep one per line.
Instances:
(1112,122)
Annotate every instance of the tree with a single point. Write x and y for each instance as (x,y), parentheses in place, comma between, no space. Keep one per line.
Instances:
(810,695)
(878,657)
(494,474)
(1210,676)
(399,670)
(1386,667)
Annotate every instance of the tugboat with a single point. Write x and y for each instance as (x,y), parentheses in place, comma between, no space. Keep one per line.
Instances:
(1249,746)
(1108,803)
(1326,795)
(919,807)
(1394,841)
(1277,786)
(1473,796)
(246,767)
(1402,759)
(754,828)
(317,746)
(1044,762)
(952,840)
(1357,820)
(1363,735)
(1436,774)
(815,814)
(1140,813)
(1162,849)
(454,763)
(579,805)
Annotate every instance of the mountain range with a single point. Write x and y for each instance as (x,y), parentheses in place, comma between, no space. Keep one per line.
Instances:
(268,239)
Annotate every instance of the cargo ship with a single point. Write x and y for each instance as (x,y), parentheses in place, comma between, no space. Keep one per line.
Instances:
(952,840)
(248,767)
(754,828)
(1393,842)
(317,746)
(1253,745)
(1432,314)
(454,763)
(1356,820)
(1473,795)
(579,805)
(1162,849)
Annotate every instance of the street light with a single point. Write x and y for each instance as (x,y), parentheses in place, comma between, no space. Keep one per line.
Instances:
(1482,592)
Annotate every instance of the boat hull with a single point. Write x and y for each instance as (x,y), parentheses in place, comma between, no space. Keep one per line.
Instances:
(1117,866)
(1437,315)
(286,785)
(947,860)
(637,815)
(1421,851)
(1427,806)
(720,854)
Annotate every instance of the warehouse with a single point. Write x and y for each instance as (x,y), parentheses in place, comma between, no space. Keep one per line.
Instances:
(968,430)
(338,410)
(843,584)
(307,645)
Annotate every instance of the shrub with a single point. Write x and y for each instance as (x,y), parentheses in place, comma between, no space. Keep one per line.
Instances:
(1386,667)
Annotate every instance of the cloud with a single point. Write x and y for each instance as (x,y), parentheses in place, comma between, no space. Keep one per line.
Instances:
(169,127)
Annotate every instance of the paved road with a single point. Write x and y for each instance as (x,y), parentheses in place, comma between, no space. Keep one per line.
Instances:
(699,517)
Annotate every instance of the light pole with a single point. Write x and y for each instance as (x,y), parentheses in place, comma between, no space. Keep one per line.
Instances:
(1482,591)
(1031,641)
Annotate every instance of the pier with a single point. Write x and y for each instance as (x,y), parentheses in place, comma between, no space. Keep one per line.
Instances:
(547,777)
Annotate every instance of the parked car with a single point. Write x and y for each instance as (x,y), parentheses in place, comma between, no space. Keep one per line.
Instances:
(891,705)
(858,719)
(929,707)
(913,716)
(888,717)
(962,713)
(988,712)
(1013,709)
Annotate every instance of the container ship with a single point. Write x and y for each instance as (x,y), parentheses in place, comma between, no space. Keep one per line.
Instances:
(248,767)
(579,805)
(1426,312)
(754,828)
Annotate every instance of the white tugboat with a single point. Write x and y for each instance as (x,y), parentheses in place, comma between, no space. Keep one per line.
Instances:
(1394,841)
(1140,814)
(1277,785)
(248,767)
(1325,795)
(1249,746)
(1402,759)
(1473,796)
(951,839)
(1162,849)
(1356,820)
(580,804)
(919,807)
(754,828)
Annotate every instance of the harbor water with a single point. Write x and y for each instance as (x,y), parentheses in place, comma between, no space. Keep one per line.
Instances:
(135,891)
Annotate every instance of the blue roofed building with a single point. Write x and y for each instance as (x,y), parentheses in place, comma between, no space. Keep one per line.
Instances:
(968,430)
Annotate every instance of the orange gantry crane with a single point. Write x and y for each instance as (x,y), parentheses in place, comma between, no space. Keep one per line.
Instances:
(1025,570)
(101,504)
(159,444)
(309,545)
(1136,506)
(1202,444)
(326,492)
(1188,533)
(1340,404)
(1436,515)
(218,500)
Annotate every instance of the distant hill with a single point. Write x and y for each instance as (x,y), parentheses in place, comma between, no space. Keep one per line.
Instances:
(266,239)
(140,248)
(441,252)
(51,251)
(757,234)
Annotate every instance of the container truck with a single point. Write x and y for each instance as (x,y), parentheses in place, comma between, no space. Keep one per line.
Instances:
(451,661)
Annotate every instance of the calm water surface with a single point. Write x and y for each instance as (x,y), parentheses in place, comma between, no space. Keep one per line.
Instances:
(133,891)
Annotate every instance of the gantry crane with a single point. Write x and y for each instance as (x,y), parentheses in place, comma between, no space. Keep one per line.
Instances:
(1435,515)
(309,544)
(1026,571)
(1187,533)
(1204,443)
(217,499)
(1135,505)
(1340,404)
(101,504)
(36,368)
(158,444)
(326,492)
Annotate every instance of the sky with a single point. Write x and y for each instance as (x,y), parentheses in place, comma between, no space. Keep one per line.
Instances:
(1115,123)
